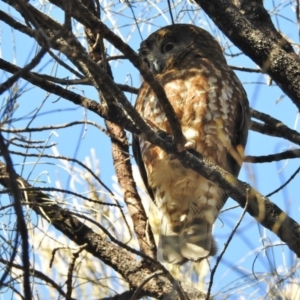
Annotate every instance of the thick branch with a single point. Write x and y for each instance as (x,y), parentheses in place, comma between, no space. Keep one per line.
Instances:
(261,208)
(121,157)
(273,55)
(131,197)
(255,12)
(112,255)
(124,296)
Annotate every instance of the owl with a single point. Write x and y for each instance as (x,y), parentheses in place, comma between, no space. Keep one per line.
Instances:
(212,108)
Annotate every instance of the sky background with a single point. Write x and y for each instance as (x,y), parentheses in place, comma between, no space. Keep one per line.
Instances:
(89,145)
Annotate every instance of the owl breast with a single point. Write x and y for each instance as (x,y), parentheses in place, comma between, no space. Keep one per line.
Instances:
(202,100)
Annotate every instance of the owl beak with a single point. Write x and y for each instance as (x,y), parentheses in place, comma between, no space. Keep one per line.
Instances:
(157,66)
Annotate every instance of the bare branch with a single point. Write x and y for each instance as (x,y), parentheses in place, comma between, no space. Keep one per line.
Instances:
(243,69)
(21,224)
(40,275)
(273,127)
(9,82)
(114,256)
(256,36)
(289,154)
(121,158)
(73,160)
(137,212)
(83,15)
(213,271)
(75,256)
(285,184)
(116,115)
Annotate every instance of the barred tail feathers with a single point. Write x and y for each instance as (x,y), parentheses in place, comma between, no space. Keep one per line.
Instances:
(193,242)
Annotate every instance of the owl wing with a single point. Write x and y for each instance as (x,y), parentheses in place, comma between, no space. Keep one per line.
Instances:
(240,130)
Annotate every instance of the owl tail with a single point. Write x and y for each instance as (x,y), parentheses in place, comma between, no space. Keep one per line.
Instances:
(168,245)
(193,242)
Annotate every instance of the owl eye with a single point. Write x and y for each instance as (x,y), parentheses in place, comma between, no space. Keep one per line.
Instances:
(167,47)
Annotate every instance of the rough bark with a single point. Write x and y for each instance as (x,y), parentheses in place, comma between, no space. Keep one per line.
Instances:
(249,27)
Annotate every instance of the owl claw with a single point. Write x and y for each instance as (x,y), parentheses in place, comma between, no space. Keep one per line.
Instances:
(190,145)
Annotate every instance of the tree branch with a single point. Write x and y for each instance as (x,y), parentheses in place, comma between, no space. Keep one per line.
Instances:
(132,199)
(273,127)
(266,47)
(121,157)
(116,116)
(21,224)
(82,14)
(262,209)
(40,275)
(289,154)
(119,259)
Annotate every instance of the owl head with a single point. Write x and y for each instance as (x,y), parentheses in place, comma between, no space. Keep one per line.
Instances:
(179,46)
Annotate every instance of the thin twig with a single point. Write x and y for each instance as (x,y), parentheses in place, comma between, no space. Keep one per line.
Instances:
(170,12)
(74,257)
(213,271)
(289,154)
(29,146)
(285,184)
(40,275)
(62,63)
(10,81)
(21,224)
(53,127)
(298,16)
(53,189)
(68,159)
(256,256)
(243,69)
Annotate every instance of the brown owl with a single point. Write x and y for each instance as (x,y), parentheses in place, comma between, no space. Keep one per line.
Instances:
(213,111)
